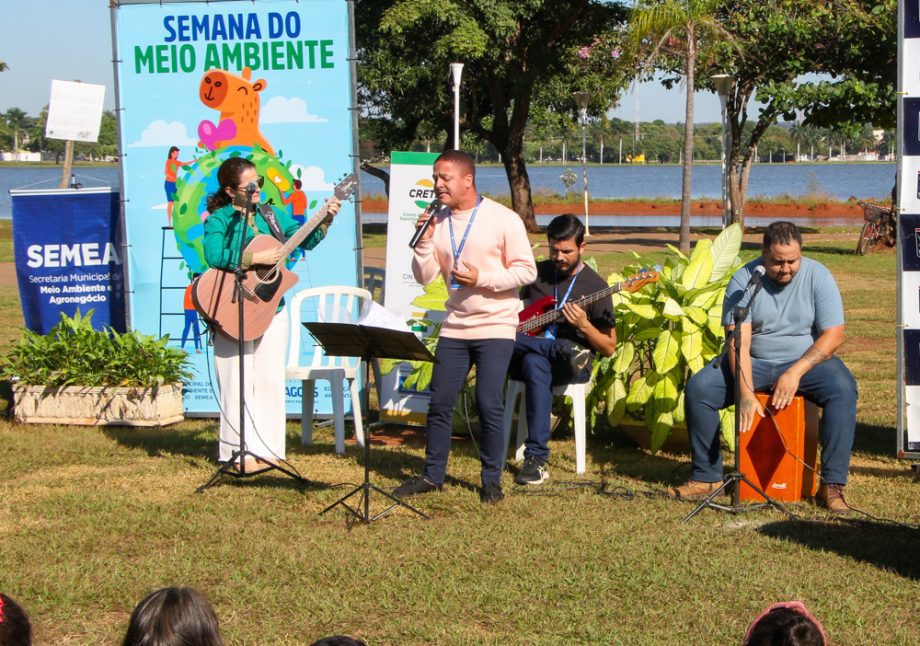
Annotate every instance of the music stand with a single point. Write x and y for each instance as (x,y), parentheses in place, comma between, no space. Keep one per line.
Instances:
(736,477)
(366,342)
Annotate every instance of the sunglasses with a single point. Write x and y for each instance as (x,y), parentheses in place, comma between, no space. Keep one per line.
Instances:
(260,182)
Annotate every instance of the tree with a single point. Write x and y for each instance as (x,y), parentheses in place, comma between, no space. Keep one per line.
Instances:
(779,41)
(682,28)
(18,122)
(516,54)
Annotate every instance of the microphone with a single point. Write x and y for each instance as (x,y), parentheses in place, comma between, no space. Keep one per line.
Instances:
(252,187)
(756,277)
(433,208)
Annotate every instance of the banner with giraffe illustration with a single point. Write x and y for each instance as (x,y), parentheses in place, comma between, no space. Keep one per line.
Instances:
(198,83)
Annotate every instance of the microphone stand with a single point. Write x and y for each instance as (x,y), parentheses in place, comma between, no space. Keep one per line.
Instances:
(736,477)
(236,465)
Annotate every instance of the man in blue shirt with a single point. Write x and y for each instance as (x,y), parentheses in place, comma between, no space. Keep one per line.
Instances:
(788,341)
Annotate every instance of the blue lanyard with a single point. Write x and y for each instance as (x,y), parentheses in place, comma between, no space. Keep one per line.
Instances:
(559,303)
(550,332)
(453,244)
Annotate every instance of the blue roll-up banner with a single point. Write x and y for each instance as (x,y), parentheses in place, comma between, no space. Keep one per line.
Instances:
(67,246)
(198,83)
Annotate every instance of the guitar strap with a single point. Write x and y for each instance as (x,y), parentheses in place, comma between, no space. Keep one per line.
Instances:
(268,213)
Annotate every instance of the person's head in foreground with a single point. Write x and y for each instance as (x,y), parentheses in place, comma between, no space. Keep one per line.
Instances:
(15,629)
(785,624)
(173,617)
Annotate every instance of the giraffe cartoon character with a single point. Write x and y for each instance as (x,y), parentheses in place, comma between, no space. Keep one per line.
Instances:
(237,99)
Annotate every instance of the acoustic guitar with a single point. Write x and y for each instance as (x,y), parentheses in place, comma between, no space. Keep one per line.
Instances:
(214,292)
(536,316)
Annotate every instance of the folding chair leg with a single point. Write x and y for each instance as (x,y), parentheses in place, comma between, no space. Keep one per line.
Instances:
(338,414)
(578,404)
(306,412)
(356,410)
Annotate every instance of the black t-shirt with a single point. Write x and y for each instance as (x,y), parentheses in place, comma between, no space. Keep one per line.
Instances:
(587,282)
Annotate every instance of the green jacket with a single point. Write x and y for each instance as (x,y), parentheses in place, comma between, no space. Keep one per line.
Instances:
(222,236)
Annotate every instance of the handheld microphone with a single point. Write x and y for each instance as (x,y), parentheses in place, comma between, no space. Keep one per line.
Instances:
(433,208)
(252,187)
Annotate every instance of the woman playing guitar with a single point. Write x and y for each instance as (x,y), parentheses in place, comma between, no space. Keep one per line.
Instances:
(263,356)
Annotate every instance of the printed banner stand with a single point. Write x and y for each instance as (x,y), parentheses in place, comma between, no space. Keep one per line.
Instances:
(68,251)
(908,231)
(411,191)
(198,83)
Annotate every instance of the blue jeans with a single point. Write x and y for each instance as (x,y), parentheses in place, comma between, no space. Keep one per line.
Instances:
(537,363)
(829,385)
(453,358)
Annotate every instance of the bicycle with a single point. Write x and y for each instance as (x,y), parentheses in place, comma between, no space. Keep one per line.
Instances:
(881,226)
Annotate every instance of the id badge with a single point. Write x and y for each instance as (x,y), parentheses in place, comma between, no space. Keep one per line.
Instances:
(550,331)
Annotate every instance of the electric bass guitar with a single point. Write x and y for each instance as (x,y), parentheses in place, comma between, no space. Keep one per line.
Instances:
(536,316)
(214,292)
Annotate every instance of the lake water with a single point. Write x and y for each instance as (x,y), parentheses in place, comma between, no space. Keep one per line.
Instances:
(834,181)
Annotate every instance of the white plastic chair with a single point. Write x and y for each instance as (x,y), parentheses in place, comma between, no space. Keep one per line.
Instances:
(576,391)
(332,304)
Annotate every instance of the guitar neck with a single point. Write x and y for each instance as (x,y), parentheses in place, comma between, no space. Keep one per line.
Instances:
(542,320)
(308,227)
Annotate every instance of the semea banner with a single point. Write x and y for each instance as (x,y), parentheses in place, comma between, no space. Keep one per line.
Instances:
(198,83)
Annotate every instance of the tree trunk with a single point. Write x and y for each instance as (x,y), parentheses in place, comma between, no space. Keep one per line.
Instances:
(687,178)
(519,182)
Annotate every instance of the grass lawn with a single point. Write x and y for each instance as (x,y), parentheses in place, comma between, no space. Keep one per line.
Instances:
(91,520)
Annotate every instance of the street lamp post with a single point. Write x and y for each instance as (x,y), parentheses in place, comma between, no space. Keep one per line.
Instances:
(723,83)
(581,100)
(456,70)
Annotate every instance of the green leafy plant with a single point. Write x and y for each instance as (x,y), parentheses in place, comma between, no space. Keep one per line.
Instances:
(74,353)
(665,332)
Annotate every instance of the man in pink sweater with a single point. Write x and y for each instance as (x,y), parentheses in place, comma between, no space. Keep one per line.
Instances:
(481,249)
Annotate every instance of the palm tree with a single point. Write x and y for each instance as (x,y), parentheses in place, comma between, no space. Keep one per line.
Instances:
(18,121)
(681,27)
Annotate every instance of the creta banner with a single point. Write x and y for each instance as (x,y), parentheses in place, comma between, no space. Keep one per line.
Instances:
(197,84)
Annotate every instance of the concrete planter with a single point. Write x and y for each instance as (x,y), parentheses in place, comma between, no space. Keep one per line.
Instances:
(97,406)
(678,441)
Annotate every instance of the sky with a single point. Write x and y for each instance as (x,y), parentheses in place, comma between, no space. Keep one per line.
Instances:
(71,40)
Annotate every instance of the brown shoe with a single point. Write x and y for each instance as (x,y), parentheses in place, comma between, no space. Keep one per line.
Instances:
(693,489)
(830,496)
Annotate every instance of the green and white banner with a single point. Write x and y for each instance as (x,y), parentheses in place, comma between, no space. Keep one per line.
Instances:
(411,191)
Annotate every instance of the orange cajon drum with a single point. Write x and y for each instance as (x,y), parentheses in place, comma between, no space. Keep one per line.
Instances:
(765,452)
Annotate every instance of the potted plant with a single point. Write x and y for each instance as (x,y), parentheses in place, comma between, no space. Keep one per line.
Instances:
(665,332)
(78,375)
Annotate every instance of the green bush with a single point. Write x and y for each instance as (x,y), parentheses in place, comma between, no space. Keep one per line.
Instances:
(666,331)
(75,354)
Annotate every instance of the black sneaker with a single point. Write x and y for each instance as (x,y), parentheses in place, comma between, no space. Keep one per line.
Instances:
(533,471)
(418,484)
(577,356)
(491,492)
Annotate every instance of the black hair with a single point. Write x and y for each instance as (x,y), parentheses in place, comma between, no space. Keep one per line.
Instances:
(173,617)
(566,227)
(172,149)
(781,233)
(785,627)
(460,159)
(338,640)
(15,629)
(228,176)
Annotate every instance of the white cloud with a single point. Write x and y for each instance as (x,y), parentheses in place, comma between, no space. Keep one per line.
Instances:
(313,178)
(160,133)
(283,110)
